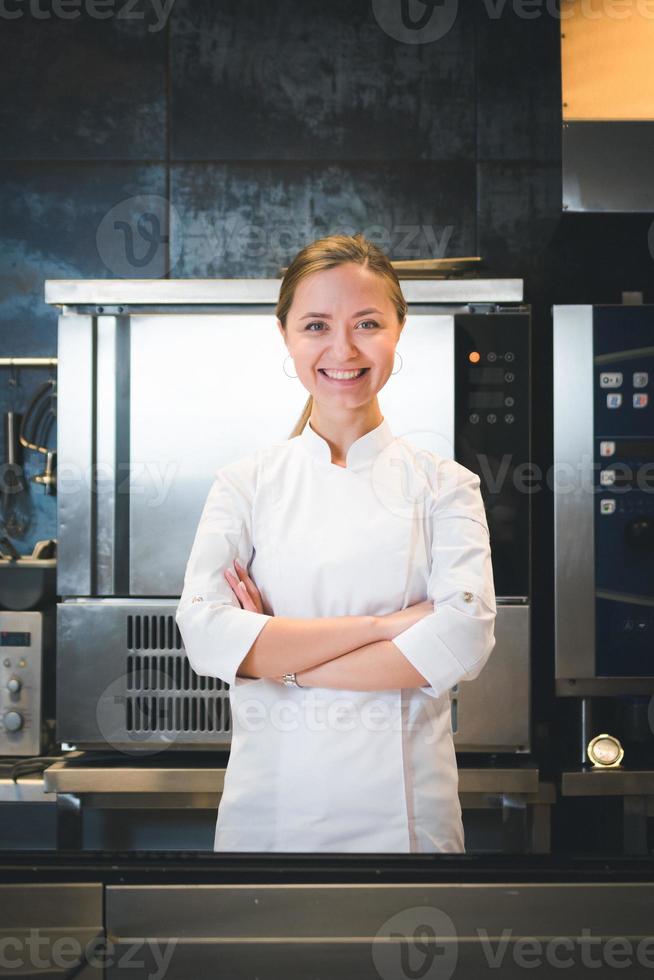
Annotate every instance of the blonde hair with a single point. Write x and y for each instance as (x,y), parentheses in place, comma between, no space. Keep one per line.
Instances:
(326,253)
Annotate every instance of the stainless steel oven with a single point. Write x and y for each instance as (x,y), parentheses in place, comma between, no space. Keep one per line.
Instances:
(150,405)
(603,499)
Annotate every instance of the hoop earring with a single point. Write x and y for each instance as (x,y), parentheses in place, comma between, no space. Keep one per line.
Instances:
(397,354)
(284,368)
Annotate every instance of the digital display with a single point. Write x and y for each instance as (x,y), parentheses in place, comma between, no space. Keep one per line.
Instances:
(14,639)
(486,399)
(486,375)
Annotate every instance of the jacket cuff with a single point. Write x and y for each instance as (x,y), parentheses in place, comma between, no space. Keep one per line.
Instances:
(430,644)
(217,637)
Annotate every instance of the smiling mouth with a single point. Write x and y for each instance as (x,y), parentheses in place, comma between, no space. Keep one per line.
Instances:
(361,370)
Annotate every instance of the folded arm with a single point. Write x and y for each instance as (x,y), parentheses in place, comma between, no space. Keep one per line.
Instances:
(375,667)
(222,639)
(453,642)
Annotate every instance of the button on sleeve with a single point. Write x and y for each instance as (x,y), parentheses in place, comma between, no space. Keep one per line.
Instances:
(217,633)
(454,642)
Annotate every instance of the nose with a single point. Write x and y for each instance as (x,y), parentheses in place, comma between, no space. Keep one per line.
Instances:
(344,346)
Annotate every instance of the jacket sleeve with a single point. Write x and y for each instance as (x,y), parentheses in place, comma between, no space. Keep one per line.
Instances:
(216,631)
(454,642)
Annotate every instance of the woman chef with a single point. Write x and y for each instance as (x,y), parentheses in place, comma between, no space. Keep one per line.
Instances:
(340,582)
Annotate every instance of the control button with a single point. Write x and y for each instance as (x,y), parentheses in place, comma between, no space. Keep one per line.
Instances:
(13,721)
(7,662)
(509,376)
(492,356)
(492,418)
(509,401)
(509,356)
(614,400)
(509,419)
(14,685)
(607,478)
(640,401)
(474,418)
(611,379)
(22,662)
(607,506)
(641,379)
(607,448)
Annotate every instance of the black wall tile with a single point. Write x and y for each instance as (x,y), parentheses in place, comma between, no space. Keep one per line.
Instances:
(314,80)
(83,89)
(247,220)
(518,83)
(56,222)
(519,210)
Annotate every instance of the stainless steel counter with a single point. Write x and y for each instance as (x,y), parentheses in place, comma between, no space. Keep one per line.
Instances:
(76,784)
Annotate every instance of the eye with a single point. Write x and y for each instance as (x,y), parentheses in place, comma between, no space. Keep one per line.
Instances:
(319,323)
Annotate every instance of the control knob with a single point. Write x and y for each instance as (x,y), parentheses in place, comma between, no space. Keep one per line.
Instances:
(13,721)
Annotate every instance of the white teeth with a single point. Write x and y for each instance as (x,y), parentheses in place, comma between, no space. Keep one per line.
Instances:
(344,375)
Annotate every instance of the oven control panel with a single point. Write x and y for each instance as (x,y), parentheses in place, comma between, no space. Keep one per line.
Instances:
(21,661)
(492,433)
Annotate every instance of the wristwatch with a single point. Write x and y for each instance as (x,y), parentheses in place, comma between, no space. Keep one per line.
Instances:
(290,680)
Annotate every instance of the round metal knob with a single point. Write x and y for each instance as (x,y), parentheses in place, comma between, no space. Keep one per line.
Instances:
(14,685)
(13,721)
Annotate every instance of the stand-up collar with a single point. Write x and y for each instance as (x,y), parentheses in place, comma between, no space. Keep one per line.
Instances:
(362,451)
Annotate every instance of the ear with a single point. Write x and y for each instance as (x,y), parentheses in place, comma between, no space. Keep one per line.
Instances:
(280,328)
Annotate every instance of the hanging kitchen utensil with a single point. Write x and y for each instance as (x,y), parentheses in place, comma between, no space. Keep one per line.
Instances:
(35,430)
(15,507)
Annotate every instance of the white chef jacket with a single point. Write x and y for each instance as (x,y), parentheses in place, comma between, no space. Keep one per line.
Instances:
(319,769)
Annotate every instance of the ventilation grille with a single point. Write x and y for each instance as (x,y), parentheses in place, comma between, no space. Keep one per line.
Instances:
(157,697)
(158,713)
(153,633)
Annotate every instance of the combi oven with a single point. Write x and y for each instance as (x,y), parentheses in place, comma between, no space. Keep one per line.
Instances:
(163,381)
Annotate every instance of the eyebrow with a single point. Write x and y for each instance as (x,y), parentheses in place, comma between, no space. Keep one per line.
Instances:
(327,316)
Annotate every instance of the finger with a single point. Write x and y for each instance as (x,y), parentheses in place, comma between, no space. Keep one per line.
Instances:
(250,587)
(245,587)
(245,597)
(234,584)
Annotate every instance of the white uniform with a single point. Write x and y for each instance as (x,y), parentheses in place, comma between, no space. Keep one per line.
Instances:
(337,770)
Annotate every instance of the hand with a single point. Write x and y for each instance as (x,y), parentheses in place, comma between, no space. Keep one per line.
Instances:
(392,624)
(244,588)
